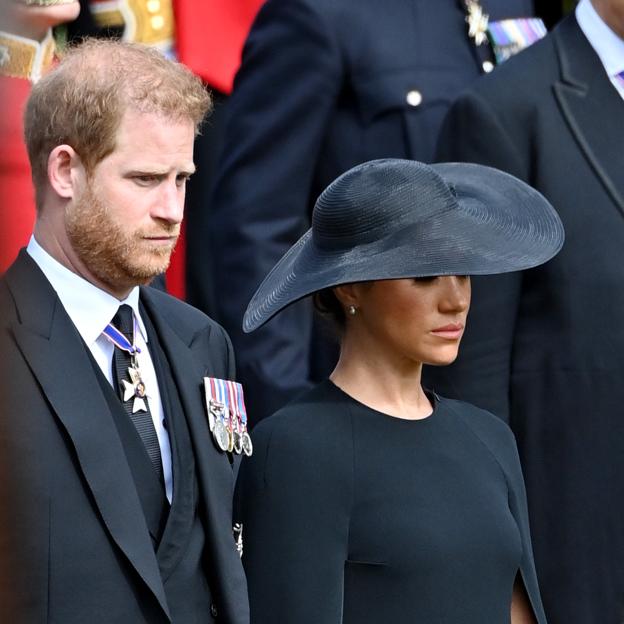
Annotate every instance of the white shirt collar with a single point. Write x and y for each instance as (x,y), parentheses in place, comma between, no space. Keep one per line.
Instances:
(90,308)
(608,46)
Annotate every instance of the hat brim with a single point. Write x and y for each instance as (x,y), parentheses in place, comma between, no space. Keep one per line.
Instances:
(500,225)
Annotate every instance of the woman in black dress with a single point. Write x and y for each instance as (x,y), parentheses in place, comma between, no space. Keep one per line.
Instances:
(369,499)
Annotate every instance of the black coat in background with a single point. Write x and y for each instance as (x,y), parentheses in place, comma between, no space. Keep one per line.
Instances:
(74,540)
(545,349)
(323,86)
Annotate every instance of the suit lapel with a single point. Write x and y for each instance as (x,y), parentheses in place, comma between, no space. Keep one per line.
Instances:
(214,472)
(591,107)
(188,374)
(58,359)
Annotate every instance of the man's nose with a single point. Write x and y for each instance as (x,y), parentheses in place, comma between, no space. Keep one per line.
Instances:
(170,205)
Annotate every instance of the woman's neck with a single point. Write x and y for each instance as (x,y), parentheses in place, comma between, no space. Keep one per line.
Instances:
(382,381)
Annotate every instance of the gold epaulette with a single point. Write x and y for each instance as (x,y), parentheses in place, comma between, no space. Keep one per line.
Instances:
(143,21)
(25,58)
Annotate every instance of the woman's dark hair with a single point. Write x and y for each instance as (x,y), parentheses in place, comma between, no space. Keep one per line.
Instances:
(327,305)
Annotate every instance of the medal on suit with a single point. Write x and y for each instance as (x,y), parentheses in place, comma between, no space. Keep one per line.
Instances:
(227,415)
(220,433)
(477,21)
(136,386)
(510,36)
(231,415)
(246,446)
(219,412)
(135,389)
(243,443)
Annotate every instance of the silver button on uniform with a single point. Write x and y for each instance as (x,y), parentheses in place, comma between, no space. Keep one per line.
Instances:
(213,611)
(488,66)
(413,98)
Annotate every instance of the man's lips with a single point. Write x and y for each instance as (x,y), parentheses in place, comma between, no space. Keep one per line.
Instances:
(452,331)
(162,239)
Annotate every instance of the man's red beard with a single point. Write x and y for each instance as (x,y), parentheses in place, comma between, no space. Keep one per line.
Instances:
(118,257)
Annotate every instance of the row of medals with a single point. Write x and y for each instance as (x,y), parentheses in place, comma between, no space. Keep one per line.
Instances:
(229,434)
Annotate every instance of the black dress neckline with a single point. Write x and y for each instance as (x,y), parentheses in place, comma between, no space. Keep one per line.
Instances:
(427,420)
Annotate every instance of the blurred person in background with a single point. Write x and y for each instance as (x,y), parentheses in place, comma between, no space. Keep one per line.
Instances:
(544,349)
(27,51)
(322,87)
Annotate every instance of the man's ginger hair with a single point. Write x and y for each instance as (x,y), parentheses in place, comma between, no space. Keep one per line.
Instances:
(81,102)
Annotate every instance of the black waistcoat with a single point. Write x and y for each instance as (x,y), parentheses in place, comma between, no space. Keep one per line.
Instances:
(176,531)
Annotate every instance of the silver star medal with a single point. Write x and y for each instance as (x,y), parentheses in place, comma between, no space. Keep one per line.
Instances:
(135,389)
(477,22)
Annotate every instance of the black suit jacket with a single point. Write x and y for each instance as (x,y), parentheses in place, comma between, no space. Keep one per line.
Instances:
(71,517)
(545,349)
(323,86)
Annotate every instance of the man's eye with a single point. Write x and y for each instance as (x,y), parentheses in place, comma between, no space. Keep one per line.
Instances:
(145,179)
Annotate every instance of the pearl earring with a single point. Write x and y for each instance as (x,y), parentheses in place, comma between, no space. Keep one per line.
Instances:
(351,310)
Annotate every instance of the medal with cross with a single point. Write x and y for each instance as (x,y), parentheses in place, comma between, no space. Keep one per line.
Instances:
(135,388)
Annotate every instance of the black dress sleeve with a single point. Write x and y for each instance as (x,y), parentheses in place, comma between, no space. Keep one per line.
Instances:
(500,441)
(295,494)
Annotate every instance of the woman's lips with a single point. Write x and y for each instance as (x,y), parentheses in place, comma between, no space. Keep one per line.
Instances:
(452,331)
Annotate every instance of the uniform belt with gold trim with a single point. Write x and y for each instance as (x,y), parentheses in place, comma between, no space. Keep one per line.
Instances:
(143,21)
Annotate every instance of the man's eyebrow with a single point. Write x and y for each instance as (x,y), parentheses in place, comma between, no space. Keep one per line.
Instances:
(157,171)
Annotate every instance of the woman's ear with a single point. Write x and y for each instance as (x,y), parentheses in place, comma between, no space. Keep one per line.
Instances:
(347,295)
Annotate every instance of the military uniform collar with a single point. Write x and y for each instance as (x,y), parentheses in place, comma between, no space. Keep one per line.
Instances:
(25,58)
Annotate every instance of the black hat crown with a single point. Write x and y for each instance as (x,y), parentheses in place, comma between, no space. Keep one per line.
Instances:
(376,199)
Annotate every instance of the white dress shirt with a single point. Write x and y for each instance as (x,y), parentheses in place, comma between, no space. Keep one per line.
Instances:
(608,45)
(91,309)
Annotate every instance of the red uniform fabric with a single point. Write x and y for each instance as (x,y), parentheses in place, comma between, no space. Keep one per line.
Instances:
(17,206)
(210,37)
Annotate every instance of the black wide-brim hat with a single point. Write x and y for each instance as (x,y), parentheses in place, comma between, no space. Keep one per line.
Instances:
(390,219)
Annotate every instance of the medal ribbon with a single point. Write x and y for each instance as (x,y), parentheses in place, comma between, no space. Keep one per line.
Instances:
(231,404)
(241,405)
(230,394)
(219,393)
(620,78)
(513,35)
(119,340)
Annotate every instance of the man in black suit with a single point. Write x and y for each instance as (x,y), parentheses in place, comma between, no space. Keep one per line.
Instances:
(545,349)
(324,85)
(116,505)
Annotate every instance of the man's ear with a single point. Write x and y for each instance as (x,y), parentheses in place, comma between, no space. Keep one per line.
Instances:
(65,171)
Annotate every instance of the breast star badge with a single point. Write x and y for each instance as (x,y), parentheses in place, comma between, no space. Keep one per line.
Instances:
(135,389)
(477,21)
